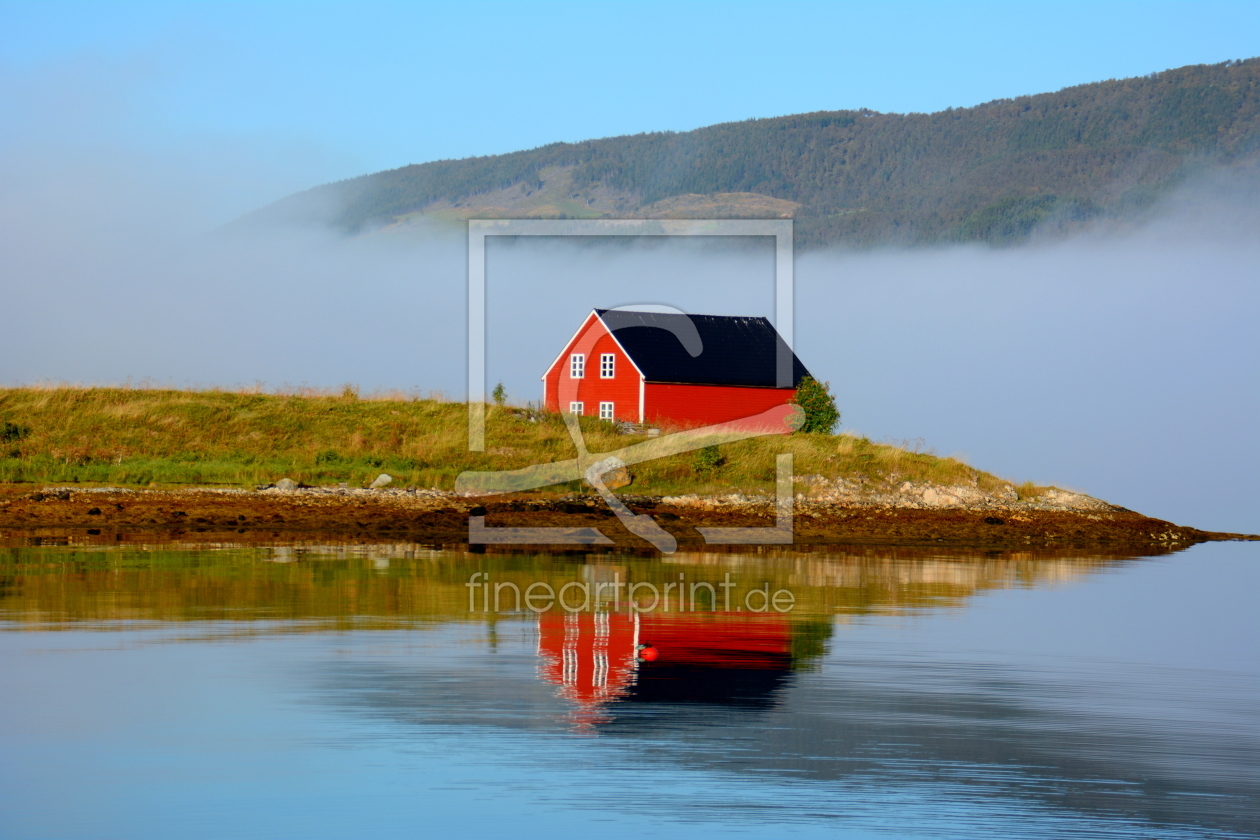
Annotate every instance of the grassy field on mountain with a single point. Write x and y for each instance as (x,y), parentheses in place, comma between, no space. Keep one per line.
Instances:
(139,437)
(994,172)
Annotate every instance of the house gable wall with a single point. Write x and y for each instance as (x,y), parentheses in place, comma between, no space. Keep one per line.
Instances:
(622,390)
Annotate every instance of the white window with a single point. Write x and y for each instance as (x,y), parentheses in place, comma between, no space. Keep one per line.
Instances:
(607,365)
(576,408)
(605,411)
(577,366)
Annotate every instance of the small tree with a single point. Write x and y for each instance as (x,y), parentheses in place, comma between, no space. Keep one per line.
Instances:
(499,394)
(708,458)
(12,432)
(815,399)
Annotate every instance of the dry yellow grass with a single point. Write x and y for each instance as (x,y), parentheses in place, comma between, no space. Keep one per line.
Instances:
(142,436)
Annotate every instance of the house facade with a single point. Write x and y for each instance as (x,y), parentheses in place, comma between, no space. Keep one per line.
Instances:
(686,370)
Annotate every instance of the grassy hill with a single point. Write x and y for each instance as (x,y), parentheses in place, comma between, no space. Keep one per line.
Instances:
(120,436)
(994,172)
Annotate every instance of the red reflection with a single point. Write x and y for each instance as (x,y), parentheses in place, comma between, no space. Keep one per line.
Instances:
(597,658)
(719,640)
(591,656)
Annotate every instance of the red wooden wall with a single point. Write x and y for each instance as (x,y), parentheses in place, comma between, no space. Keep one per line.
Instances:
(701,405)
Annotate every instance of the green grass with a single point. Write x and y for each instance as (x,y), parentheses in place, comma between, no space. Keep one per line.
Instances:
(142,437)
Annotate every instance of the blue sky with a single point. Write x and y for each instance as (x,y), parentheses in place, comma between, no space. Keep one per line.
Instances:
(341,89)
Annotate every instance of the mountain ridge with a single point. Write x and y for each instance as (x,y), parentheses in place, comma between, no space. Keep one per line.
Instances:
(993,172)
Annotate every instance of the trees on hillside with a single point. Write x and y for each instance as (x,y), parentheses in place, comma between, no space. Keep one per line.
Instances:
(991,172)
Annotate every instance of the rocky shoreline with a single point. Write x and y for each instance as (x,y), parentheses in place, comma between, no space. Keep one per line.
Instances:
(827,512)
(924,496)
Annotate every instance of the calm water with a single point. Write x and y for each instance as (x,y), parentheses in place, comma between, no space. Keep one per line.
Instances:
(349,691)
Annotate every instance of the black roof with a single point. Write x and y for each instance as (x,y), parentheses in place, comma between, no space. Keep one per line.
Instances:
(701,349)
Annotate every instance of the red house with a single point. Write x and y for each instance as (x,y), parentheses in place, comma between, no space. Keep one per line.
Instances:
(690,370)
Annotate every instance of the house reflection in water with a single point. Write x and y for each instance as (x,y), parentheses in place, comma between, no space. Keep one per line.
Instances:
(730,659)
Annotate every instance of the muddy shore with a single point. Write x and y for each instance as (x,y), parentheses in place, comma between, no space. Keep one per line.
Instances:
(436,518)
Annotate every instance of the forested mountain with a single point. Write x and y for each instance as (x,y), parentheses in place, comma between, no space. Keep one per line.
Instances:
(994,172)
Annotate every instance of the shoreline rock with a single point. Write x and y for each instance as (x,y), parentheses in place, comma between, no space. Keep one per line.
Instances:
(946,516)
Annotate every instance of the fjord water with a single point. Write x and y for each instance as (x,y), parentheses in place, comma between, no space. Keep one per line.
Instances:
(344,691)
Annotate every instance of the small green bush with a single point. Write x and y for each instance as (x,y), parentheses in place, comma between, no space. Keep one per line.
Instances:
(815,399)
(12,432)
(708,458)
